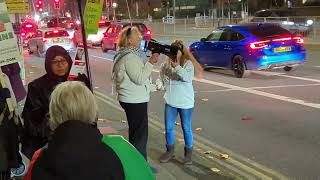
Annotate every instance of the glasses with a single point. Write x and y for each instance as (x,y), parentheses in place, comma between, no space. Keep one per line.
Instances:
(62,62)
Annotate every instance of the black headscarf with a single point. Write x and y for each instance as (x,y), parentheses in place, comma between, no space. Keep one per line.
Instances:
(52,52)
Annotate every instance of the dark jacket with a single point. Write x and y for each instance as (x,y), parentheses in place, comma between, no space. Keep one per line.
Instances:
(36,108)
(76,152)
(9,144)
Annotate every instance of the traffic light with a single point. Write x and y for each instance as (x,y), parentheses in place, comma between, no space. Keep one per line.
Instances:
(164,3)
(39,5)
(56,4)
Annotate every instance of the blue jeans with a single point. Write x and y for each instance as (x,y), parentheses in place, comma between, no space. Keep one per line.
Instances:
(171,114)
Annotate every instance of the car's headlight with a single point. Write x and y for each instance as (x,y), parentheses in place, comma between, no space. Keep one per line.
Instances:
(309,22)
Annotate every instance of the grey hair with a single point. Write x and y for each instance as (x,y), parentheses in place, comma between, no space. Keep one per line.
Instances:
(72,100)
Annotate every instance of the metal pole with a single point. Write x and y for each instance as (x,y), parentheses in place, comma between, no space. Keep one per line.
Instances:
(222,9)
(85,46)
(229,12)
(174,9)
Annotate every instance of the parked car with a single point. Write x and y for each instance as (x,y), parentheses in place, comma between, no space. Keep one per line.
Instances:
(92,39)
(62,22)
(168,19)
(49,37)
(111,36)
(291,19)
(28,29)
(250,47)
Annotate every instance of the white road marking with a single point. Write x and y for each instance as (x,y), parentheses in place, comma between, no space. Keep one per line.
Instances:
(285,86)
(102,58)
(317,66)
(266,73)
(300,78)
(261,93)
(261,87)
(214,91)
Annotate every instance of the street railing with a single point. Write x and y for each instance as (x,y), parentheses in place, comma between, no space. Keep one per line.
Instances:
(196,28)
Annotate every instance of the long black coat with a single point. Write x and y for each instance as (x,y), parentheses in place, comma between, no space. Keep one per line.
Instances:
(36,107)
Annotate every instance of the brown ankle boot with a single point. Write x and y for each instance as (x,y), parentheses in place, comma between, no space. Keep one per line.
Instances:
(187,156)
(168,155)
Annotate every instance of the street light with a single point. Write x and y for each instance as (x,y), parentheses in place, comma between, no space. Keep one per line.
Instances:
(114,6)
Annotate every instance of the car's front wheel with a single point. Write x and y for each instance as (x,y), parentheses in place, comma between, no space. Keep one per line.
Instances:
(287,68)
(239,67)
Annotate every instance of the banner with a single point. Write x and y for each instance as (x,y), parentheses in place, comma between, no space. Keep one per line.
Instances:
(9,50)
(92,15)
(78,65)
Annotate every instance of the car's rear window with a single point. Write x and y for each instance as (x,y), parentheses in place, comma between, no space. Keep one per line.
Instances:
(58,33)
(141,27)
(264,31)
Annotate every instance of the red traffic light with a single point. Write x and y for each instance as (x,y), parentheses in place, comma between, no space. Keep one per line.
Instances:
(56,1)
(39,2)
(40,9)
(37,5)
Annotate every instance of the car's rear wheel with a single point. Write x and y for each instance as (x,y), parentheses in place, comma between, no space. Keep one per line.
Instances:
(39,52)
(287,68)
(29,50)
(239,67)
(115,47)
(103,48)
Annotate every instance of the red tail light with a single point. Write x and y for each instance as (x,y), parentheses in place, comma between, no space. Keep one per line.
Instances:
(283,39)
(23,34)
(259,44)
(149,34)
(298,40)
(55,31)
(29,26)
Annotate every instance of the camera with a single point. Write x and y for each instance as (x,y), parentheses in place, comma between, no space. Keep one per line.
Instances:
(157,47)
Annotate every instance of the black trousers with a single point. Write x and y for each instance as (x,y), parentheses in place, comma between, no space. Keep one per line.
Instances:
(137,116)
(5,175)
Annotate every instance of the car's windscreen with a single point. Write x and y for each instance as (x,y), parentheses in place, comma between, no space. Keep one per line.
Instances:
(265,31)
(52,34)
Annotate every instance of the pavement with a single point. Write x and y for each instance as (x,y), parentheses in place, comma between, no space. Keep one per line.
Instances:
(112,120)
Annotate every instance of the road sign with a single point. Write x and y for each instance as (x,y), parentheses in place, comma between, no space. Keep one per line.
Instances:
(9,50)
(18,6)
(56,5)
(92,15)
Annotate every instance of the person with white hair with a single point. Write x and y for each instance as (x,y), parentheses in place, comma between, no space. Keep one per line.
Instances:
(76,150)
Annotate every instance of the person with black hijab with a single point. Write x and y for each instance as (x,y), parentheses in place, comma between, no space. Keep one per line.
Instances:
(35,112)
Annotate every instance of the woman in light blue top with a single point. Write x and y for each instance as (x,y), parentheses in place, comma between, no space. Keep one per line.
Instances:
(177,77)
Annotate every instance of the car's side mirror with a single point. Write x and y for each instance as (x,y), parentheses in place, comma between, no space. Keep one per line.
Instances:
(203,39)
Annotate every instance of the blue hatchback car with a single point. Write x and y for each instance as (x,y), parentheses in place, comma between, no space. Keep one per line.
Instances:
(250,47)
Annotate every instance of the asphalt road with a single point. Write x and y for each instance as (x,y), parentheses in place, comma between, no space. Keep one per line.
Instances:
(271,118)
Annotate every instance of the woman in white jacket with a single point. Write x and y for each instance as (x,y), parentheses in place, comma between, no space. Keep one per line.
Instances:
(131,78)
(177,77)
